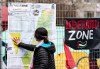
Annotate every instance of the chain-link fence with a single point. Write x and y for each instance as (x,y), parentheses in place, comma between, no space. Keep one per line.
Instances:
(64,9)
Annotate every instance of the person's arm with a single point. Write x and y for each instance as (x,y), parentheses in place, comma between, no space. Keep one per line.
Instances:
(27,46)
(17,42)
(43,58)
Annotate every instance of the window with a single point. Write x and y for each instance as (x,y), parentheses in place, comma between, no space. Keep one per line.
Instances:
(88,14)
(98,1)
(97,14)
(86,0)
(91,1)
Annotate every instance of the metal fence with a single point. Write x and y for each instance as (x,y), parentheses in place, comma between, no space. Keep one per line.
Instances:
(65,9)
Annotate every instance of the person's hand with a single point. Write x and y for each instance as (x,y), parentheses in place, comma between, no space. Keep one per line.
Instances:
(16,40)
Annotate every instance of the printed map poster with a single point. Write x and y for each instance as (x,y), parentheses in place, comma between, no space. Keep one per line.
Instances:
(23,19)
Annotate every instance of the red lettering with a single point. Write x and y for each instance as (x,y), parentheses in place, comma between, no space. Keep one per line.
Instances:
(82,24)
(67,25)
(96,24)
(79,24)
(73,24)
(88,23)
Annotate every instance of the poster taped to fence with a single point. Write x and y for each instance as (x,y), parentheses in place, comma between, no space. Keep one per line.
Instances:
(24,18)
(82,33)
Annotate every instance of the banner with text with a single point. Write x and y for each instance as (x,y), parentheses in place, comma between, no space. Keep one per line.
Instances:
(82,33)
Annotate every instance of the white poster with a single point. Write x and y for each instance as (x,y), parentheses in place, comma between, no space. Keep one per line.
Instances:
(23,19)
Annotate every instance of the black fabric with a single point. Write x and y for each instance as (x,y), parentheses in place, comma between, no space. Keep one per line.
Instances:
(27,46)
(43,58)
(93,64)
(94,54)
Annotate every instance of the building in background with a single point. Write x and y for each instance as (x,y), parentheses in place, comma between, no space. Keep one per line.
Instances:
(69,8)
(88,8)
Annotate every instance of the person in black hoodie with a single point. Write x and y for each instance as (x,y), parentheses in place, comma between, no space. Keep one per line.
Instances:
(43,57)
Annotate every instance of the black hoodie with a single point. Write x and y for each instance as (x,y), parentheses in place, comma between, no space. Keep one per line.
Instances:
(43,57)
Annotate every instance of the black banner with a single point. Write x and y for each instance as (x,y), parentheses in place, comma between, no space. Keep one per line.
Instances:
(82,33)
